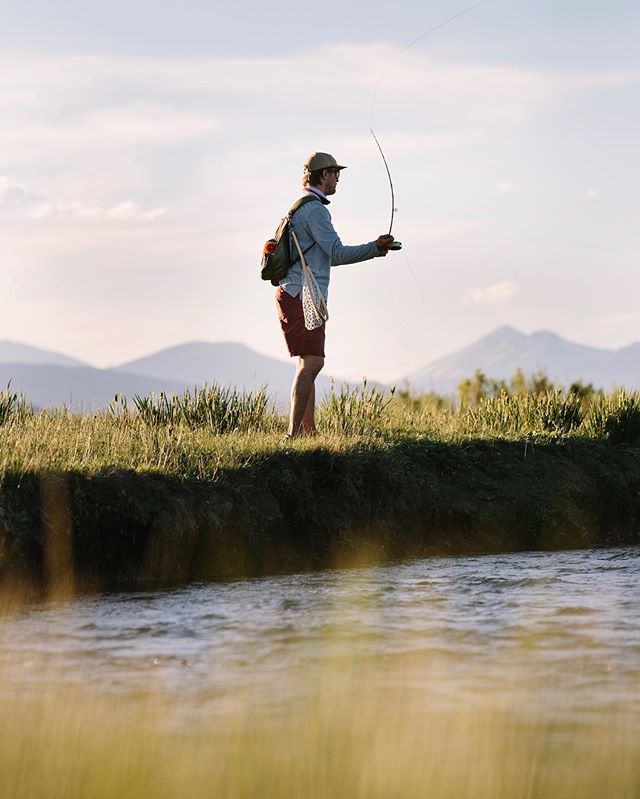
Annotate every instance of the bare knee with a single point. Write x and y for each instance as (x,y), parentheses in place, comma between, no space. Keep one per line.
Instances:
(310,364)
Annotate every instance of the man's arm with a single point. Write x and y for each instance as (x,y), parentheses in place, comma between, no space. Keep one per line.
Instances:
(325,236)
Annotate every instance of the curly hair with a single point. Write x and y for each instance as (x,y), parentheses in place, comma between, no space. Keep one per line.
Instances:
(312,178)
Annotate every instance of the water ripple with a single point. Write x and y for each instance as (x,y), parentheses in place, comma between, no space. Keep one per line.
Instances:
(566,622)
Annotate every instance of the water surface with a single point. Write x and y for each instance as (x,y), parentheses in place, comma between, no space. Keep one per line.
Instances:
(560,631)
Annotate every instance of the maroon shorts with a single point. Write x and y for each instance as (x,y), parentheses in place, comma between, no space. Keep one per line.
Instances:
(300,341)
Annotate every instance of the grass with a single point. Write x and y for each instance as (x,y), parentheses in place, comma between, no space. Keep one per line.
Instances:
(196,435)
(354,411)
(615,419)
(356,734)
(213,408)
(13,406)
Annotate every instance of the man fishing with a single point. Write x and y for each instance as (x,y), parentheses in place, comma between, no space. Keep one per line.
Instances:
(321,247)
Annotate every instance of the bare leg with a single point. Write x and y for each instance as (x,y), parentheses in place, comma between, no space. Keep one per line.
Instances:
(303,393)
(309,418)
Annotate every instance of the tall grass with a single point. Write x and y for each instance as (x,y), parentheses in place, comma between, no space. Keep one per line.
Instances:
(13,406)
(355,411)
(364,735)
(214,408)
(551,413)
(61,441)
(615,418)
(198,434)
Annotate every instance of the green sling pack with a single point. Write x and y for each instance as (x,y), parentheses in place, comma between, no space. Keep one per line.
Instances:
(276,255)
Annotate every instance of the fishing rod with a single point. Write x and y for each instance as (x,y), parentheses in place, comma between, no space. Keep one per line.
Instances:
(396,245)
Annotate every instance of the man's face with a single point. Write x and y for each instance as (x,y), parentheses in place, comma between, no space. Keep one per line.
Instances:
(331,177)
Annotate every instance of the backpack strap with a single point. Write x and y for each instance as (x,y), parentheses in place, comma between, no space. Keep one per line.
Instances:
(298,204)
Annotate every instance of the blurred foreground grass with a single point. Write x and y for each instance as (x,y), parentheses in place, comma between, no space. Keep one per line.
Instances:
(347,727)
(356,738)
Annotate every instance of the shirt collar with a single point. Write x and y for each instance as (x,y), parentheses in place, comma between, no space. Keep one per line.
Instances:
(318,193)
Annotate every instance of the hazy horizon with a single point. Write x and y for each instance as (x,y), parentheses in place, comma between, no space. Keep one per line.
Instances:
(501,331)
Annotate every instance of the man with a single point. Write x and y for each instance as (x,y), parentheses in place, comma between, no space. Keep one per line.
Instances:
(322,249)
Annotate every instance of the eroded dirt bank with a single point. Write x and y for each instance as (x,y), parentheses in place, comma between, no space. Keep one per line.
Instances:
(299,510)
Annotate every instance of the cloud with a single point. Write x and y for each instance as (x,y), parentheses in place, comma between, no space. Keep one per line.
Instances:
(77,103)
(97,148)
(6,187)
(146,123)
(101,123)
(21,201)
(12,192)
(505,186)
(498,292)
(201,130)
(626,316)
(592,194)
(127,210)
(83,133)
(405,144)
(601,80)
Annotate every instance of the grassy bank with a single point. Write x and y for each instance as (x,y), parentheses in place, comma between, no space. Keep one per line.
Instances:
(204,486)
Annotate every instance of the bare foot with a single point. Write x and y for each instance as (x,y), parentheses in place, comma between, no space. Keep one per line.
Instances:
(301,434)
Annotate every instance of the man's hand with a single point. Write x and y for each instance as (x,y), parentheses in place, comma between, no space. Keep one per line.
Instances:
(383,243)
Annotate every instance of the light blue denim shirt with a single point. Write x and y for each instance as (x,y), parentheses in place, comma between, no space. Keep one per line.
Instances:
(317,236)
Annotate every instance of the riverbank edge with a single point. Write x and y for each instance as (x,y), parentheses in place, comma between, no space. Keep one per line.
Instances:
(302,509)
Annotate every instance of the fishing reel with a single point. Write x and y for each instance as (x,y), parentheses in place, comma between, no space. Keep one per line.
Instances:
(396,245)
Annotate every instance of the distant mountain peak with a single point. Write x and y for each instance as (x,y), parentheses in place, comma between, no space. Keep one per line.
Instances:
(502,352)
(503,335)
(546,335)
(507,330)
(16,352)
(188,349)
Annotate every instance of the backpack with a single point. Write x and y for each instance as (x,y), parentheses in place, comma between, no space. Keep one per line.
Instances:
(276,255)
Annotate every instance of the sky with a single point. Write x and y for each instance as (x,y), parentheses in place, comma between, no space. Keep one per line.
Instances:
(148,150)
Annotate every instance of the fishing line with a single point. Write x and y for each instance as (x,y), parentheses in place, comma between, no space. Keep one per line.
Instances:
(401,338)
(413,275)
(422,36)
(398,246)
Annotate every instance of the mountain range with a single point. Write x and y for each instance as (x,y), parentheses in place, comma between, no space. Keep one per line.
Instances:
(501,353)
(51,378)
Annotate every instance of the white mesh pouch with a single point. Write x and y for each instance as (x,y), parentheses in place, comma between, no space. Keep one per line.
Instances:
(314,306)
(312,302)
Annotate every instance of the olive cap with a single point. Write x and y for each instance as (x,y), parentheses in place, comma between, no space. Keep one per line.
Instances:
(321,161)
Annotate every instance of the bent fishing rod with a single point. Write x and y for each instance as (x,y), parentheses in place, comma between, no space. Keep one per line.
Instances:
(396,245)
